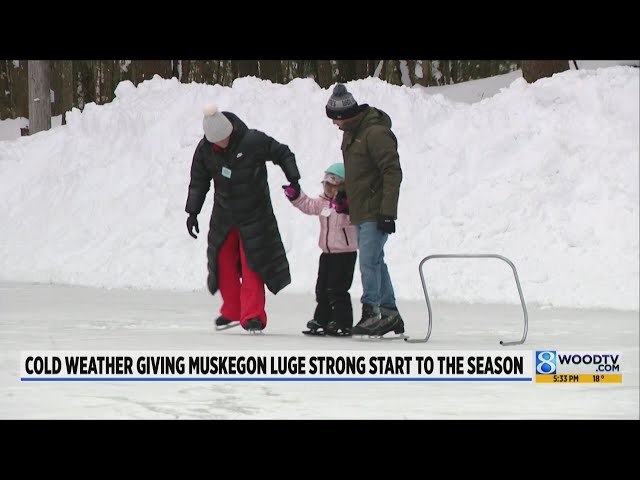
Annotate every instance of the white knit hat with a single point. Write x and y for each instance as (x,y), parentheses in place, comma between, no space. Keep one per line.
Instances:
(216,125)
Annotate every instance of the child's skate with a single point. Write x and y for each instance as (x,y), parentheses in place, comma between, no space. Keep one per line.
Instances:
(315,329)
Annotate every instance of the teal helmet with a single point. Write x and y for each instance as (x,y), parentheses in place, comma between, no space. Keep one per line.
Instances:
(336,169)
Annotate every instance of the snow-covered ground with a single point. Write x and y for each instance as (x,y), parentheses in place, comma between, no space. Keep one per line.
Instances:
(10,128)
(49,317)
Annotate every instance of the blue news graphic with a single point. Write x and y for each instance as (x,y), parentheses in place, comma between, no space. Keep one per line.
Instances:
(546,362)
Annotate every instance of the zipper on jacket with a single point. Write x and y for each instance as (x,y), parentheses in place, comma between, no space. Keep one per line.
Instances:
(326,240)
(346,239)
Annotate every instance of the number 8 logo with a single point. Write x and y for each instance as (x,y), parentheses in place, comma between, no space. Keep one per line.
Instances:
(546,362)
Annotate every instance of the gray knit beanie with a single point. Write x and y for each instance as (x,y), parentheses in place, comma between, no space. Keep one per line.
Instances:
(341,104)
(215,124)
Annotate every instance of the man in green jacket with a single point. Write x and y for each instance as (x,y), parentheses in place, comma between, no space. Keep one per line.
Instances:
(372,181)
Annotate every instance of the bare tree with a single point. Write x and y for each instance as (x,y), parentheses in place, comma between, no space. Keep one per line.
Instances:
(87,87)
(246,68)
(39,96)
(66,102)
(393,75)
(107,82)
(229,74)
(186,71)
(423,67)
(346,70)
(175,69)
(209,71)
(310,70)
(20,92)
(533,70)
(271,70)
(325,78)
(381,69)
(5,91)
(361,69)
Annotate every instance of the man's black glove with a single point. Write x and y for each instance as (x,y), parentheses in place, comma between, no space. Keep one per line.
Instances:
(192,222)
(386,224)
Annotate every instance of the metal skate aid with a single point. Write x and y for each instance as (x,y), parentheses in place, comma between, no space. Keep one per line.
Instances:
(487,255)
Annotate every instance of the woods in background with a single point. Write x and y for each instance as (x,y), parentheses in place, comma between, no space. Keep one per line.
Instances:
(75,83)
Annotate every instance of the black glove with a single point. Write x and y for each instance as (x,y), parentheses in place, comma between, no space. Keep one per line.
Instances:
(386,224)
(292,191)
(192,222)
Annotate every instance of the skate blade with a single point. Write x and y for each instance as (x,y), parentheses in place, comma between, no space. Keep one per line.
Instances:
(400,336)
(373,338)
(227,326)
(312,333)
(344,335)
(255,331)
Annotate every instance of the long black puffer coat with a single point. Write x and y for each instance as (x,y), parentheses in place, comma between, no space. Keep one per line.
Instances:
(242,199)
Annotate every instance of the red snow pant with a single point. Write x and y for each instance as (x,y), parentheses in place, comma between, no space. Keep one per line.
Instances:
(242,295)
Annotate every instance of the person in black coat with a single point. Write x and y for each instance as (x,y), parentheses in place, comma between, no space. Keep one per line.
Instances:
(244,240)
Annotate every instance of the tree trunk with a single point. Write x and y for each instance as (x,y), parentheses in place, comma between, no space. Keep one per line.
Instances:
(175,69)
(54,85)
(217,71)
(393,72)
(5,90)
(208,75)
(325,79)
(444,71)
(533,70)
(423,73)
(186,71)
(66,100)
(346,70)
(247,68)
(146,69)
(229,75)
(96,71)
(361,69)
(310,70)
(453,71)
(108,83)
(88,84)
(411,69)
(284,71)
(270,70)
(20,85)
(195,71)
(382,72)
(39,96)
(297,69)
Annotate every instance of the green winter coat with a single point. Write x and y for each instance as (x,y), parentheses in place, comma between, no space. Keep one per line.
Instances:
(372,166)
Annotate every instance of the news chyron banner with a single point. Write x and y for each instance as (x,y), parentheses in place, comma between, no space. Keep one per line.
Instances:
(541,366)
(500,366)
(561,367)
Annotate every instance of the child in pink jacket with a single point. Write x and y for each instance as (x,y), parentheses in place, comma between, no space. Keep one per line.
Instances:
(339,245)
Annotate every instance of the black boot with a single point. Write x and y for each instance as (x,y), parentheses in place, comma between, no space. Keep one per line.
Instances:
(253,325)
(370,315)
(222,323)
(390,320)
(315,328)
(338,329)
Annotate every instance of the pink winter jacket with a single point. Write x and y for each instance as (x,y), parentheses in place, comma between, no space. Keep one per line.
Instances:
(337,235)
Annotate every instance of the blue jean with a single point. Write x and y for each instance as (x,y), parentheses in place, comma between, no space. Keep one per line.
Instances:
(376,282)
